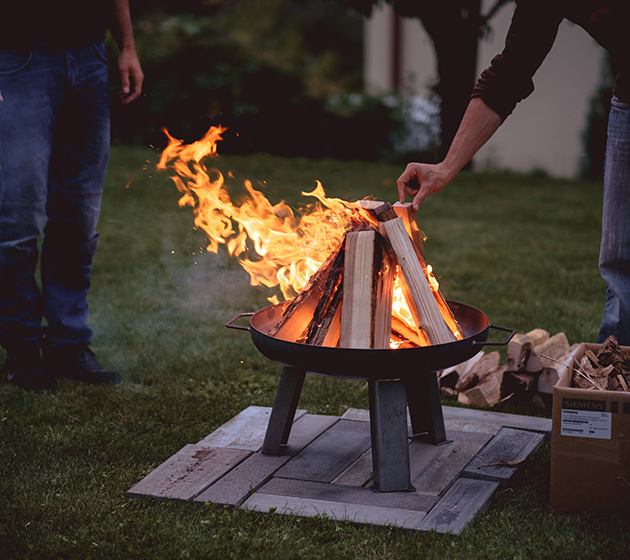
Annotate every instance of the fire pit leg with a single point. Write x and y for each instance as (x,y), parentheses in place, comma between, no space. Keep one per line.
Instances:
(425,407)
(390,445)
(283,411)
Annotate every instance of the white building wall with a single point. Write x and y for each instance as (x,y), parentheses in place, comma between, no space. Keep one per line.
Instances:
(544,132)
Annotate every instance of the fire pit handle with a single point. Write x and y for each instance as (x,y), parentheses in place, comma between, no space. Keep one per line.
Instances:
(511,331)
(230,324)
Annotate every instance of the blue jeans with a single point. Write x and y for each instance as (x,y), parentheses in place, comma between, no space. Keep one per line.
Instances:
(614,257)
(54,149)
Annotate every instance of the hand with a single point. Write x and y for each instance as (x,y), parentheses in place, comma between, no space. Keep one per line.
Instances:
(131,76)
(419,180)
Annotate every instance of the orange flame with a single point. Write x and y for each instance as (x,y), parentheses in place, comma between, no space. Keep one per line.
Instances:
(277,248)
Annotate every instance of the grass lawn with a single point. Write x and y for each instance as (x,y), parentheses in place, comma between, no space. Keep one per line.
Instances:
(521,248)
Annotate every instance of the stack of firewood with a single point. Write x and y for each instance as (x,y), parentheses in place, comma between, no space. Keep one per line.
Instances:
(535,362)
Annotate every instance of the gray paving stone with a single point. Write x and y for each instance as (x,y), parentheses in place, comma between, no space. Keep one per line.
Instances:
(499,459)
(330,454)
(245,431)
(412,501)
(305,507)
(359,473)
(438,476)
(461,504)
(188,473)
(531,423)
(233,488)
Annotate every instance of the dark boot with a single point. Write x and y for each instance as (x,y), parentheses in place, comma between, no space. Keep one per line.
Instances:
(25,368)
(77,362)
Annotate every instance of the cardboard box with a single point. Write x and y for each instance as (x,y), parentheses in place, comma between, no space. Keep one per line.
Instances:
(590,447)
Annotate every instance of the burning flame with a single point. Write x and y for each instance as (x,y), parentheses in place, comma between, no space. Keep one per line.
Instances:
(278,248)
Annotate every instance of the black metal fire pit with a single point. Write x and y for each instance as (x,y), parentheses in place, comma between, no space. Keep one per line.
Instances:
(396,378)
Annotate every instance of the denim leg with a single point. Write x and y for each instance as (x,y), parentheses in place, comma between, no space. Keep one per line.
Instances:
(614,258)
(31,85)
(77,172)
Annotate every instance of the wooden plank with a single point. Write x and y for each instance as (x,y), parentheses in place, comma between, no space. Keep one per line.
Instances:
(461,504)
(246,430)
(188,473)
(305,507)
(499,459)
(358,291)
(233,488)
(330,454)
(410,501)
(429,315)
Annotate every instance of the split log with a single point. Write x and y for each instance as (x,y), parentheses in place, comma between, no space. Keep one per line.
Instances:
(449,377)
(423,304)
(357,306)
(300,312)
(519,386)
(550,375)
(367,285)
(521,345)
(408,214)
(545,354)
(475,372)
(486,393)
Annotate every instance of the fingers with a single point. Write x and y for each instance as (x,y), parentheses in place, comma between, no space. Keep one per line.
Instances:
(408,183)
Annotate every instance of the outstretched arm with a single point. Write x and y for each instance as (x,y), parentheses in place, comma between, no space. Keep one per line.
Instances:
(419,180)
(131,76)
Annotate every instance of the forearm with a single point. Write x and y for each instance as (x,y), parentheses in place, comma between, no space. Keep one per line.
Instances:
(122,29)
(419,180)
(477,127)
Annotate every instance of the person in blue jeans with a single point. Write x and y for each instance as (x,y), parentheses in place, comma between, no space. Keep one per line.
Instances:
(507,81)
(54,149)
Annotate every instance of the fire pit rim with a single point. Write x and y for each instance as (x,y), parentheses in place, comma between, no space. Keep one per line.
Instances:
(367,363)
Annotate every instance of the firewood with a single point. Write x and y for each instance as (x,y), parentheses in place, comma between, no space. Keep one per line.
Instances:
(518,387)
(487,392)
(358,283)
(408,332)
(299,313)
(550,374)
(386,273)
(325,332)
(450,376)
(544,354)
(366,309)
(408,214)
(476,371)
(427,313)
(538,336)
(519,350)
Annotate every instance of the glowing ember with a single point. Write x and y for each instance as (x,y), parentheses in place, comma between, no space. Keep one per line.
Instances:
(278,247)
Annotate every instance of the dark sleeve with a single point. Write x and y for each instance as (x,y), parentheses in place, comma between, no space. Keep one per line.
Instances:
(508,79)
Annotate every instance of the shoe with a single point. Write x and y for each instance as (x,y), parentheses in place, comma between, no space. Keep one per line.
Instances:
(25,368)
(77,362)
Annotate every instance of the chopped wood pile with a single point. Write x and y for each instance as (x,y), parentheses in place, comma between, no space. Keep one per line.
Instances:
(535,362)
(608,370)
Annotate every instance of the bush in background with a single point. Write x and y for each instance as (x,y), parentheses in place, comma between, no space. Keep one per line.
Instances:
(279,75)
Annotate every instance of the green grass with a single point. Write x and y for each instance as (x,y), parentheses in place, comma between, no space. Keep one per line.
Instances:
(521,248)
